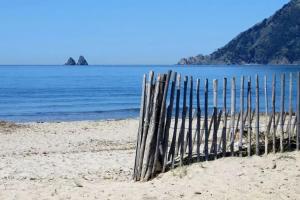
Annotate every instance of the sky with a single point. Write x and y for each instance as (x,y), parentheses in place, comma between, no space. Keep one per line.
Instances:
(122,31)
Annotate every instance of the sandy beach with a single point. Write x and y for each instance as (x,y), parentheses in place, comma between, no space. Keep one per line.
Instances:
(94,160)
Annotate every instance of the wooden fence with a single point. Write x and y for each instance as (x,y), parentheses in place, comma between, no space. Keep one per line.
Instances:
(167,139)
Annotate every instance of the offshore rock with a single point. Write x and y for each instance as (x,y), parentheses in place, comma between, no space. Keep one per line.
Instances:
(70,61)
(82,61)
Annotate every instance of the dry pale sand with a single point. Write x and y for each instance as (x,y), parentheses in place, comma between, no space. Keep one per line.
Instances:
(94,160)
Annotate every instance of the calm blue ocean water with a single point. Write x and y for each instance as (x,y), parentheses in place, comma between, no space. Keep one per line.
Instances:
(64,93)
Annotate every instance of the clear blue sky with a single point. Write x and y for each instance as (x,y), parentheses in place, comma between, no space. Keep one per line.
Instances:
(122,31)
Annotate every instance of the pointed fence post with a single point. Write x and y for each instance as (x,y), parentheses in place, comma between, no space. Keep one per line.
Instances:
(266,116)
(249,116)
(182,129)
(161,123)
(290,111)
(168,123)
(190,139)
(224,117)
(282,111)
(198,120)
(274,112)
(206,119)
(257,116)
(215,93)
(172,153)
(232,115)
(146,124)
(151,137)
(242,116)
(140,129)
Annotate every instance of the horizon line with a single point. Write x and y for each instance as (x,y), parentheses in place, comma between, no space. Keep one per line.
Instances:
(81,65)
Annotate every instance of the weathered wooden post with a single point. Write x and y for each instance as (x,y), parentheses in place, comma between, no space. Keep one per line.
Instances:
(173,143)
(215,132)
(290,111)
(257,116)
(242,115)
(198,120)
(150,142)
(182,129)
(282,111)
(232,115)
(161,123)
(190,139)
(224,117)
(140,129)
(206,119)
(146,124)
(249,116)
(274,112)
(168,123)
(266,116)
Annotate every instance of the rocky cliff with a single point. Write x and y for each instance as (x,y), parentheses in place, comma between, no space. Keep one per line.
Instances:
(275,40)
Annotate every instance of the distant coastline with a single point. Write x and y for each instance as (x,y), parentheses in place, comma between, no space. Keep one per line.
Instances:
(244,64)
(274,41)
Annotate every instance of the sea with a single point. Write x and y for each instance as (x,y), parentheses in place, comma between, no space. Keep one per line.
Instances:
(75,93)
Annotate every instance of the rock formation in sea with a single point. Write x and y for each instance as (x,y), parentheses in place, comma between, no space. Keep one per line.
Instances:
(70,61)
(82,61)
(275,40)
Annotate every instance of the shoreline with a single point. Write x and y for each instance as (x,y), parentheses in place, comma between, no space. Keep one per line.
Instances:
(64,121)
(3,121)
